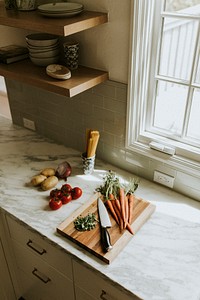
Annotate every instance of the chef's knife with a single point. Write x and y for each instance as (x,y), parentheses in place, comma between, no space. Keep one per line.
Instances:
(104,224)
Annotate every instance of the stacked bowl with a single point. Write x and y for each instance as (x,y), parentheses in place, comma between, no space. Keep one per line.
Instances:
(43,48)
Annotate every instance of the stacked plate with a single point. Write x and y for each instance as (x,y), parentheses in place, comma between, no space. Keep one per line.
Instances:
(43,48)
(60,9)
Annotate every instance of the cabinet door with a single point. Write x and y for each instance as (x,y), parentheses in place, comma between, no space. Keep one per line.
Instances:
(90,284)
(6,288)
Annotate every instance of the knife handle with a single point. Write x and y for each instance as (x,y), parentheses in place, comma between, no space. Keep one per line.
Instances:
(105,238)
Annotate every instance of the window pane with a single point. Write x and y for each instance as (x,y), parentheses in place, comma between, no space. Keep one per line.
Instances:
(177,48)
(182,5)
(170,107)
(194,122)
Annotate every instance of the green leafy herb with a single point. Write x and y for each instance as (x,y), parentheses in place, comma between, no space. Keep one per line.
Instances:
(85,223)
(112,185)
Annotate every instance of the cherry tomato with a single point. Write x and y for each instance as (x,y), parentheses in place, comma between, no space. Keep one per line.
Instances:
(56,193)
(76,193)
(66,198)
(55,203)
(66,188)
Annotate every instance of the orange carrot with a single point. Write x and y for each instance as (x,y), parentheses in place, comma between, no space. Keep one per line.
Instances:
(118,204)
(112,210)
(118,212)
(128,226)
(126,210)
(122,202)
(130,203)
(111,197)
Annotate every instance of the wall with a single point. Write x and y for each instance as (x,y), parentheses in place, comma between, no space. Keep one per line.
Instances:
(102,107)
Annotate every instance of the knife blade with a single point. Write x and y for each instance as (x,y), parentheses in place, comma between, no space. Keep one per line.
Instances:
(104,224)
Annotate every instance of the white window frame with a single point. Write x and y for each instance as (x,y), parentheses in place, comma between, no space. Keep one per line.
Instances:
(141,44)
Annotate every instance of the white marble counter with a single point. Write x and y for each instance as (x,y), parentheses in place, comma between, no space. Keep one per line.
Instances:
(162,261)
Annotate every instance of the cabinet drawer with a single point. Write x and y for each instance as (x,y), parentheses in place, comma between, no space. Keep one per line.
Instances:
(38,279)
(97,287)
(82,295)
(40,247)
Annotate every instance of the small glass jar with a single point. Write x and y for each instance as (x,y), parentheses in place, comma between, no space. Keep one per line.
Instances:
(26,5)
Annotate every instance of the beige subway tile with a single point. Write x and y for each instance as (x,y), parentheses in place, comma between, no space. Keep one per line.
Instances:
(105,90)
(116,106)
(188,180)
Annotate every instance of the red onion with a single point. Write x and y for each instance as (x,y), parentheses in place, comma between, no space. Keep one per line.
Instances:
(63,170)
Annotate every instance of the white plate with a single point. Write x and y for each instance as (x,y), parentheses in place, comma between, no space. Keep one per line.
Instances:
(61,12)
(58,15)
(60,7)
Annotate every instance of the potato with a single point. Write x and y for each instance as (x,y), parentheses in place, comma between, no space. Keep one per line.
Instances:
(49,183)
(38,179)
(48,172)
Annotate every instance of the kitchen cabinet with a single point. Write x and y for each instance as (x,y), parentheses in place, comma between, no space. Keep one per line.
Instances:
(89,285)
(44,271)
(25,71)
(6,286)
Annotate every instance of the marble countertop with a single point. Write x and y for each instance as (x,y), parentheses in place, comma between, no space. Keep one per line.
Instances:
(162,261)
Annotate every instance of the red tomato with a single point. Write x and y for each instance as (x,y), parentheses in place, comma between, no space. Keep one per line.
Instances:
(66,198)
(66,188)
(55,203)
(76,193)
(56,193)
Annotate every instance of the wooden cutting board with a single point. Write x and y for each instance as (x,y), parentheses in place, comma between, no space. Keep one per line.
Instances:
(90,240)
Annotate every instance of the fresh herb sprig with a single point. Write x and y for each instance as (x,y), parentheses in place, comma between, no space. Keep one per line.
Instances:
(85,223)
(112,185)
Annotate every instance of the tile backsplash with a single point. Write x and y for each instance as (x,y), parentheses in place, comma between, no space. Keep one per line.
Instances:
(103,108)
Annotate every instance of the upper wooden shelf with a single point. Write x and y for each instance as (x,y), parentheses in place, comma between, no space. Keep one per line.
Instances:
(32,20)
(25,71)
(82,79)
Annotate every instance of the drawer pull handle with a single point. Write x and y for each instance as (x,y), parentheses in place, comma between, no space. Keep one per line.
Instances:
(102,296)
(30,244)
(39,275)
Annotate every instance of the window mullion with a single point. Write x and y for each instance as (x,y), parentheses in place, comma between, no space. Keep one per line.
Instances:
(191,89)
(153,71)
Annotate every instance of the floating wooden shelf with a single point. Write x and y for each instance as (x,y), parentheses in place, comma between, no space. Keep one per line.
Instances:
(25,71)
(82,79)
(32,20)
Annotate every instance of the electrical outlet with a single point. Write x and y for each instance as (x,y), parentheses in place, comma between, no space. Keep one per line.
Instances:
(29,124)
(164,179)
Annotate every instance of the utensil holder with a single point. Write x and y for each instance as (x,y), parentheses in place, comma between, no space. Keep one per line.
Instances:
(88,163)
(71,52)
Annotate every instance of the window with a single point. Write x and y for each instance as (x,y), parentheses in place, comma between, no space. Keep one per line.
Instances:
(164,87)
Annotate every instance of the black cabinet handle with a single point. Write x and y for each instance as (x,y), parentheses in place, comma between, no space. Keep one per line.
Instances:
(41,276)
(30,244)
(102,296)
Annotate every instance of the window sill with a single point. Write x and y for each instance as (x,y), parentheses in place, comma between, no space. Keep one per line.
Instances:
(190,167)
